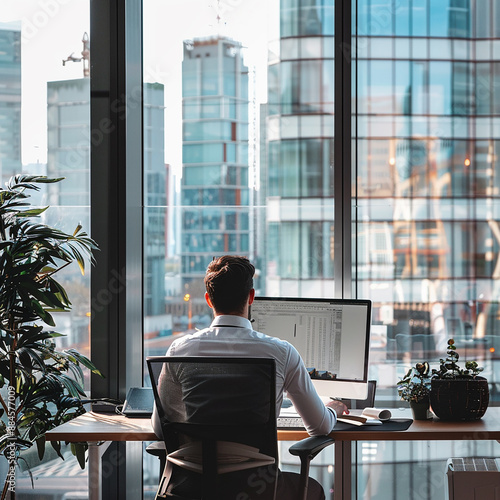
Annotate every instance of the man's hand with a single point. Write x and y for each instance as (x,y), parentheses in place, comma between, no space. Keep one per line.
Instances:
(338,406)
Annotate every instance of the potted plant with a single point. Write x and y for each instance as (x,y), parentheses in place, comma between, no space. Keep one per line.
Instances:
(415,387)
(458,393)
(40,386)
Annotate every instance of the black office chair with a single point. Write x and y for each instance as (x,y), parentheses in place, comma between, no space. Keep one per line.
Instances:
(212,400)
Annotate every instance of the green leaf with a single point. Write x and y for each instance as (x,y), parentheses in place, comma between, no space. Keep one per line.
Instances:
(78,449)
(44,315)
(56,445)
(32,337)
(80,358)
(40,445)
(34,212)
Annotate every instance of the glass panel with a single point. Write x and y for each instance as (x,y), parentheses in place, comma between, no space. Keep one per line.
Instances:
(222,97)
(440,88)
(426,244)
(483,20)
(247,167)
(45,130)
(483,89)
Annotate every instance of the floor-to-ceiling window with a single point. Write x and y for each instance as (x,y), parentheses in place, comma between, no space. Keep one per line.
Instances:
(425,200)
(245,106)
(427,183)
(45,130)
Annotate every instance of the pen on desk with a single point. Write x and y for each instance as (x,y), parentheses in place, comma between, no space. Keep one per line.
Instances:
(295,330)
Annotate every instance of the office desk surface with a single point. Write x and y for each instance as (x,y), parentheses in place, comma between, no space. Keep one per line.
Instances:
(94,427)
(98,428)
(487,428)
(108,427)
(103,427)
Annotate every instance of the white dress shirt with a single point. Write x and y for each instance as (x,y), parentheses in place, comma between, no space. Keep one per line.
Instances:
(234,336)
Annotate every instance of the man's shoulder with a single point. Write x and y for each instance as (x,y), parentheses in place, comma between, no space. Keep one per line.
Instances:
(182,339)
(282,345)
(236,339)
(273,340)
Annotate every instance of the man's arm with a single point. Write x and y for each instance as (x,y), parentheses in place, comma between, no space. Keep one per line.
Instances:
(318,418)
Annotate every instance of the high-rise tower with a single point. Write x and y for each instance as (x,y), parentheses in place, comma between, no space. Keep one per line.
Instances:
(299,146)
(69,143)
(10,100)
(215,154)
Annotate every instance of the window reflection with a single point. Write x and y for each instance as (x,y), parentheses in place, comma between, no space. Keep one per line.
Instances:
(256,173)
(45,130)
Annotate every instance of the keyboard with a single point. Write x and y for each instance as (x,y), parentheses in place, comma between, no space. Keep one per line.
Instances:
(293,422)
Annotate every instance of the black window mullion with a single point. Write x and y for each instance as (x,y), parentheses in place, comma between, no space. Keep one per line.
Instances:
(342,149)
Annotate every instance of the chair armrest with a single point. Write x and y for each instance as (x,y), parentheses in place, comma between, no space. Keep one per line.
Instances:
(306,450)
(311,446)
(157,449)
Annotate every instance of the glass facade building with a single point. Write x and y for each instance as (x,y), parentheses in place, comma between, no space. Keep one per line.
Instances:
(425,175)
(155,192)
(214,189)
(298,138)
(427,181)
(10,100)
(69,141)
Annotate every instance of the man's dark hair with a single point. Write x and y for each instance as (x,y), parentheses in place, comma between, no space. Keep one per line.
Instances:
(228,282)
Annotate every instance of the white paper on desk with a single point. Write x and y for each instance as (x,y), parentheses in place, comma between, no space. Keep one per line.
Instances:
(230,457)
(288,412)
(381,414)
(368,421)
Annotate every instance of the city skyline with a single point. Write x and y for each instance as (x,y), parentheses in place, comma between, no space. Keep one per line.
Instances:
(51,31)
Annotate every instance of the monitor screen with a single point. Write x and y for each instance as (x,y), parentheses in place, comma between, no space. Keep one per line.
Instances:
(331,335)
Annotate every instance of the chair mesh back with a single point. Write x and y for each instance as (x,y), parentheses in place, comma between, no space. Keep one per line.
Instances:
(227,399)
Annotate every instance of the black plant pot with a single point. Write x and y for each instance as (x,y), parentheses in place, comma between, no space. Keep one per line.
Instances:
(459,399)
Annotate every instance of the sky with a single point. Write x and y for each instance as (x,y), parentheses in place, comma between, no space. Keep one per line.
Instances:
(51,30)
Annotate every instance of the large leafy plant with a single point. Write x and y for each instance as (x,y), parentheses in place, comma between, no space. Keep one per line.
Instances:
(40,386)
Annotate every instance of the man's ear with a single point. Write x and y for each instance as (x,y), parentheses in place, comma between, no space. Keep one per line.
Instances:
(251,296)
(209,302)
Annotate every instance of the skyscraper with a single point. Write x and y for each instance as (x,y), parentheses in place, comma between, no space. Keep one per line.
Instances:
(215,154)
(69,142)
(425,170)
(155,177)
(10,100)
(299,145)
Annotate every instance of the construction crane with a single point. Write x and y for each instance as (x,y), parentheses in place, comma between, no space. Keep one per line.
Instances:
(85,56)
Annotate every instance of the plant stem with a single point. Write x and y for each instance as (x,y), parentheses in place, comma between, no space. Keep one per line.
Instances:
(12,383)
(4,491)
(2,402)
(48,275)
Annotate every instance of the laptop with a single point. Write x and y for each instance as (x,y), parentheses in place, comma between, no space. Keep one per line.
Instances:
(139,402)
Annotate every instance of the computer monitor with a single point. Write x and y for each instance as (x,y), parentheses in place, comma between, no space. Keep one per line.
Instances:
(331,335)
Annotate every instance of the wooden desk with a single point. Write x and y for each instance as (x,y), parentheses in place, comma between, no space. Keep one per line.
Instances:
(98,428)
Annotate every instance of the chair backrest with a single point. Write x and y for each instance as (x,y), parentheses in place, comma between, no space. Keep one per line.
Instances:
(210,400)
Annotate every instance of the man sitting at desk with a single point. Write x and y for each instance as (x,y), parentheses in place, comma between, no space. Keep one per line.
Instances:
(230,292)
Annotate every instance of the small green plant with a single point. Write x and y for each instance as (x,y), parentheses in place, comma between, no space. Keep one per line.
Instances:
(449,368)
(416,384)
